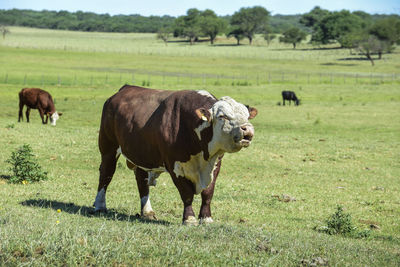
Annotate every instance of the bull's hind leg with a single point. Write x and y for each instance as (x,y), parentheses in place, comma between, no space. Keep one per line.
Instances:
(107,169)
(28,110)
(20,116)
(206,197)
(142,182)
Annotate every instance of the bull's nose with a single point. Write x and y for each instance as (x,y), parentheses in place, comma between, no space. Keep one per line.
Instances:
(248,132)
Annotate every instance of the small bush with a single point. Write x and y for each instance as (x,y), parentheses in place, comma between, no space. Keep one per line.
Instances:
(25,167)
(340,223)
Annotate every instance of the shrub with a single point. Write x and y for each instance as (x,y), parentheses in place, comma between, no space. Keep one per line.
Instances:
(340,223)
(25,167)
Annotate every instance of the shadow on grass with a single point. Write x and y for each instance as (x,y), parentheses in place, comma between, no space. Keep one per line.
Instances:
(87,211)
(5,177)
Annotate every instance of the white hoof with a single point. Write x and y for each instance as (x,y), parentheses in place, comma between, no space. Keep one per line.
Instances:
(191,220)
(206,220)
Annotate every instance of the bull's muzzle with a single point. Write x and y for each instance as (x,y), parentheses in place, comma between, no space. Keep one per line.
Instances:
(246,135)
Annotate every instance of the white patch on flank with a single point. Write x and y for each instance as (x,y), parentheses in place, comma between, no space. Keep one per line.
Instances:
(201,127)
(205,93)
(146,206)
(100,201)
(197,170)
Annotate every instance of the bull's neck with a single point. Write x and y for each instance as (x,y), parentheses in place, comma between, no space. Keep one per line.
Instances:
(52,107)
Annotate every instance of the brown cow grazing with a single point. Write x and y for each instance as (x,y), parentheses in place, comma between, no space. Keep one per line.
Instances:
(184,133)
(38,99)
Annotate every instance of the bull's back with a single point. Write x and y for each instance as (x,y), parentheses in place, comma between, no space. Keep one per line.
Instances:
(34,97)
(125,119)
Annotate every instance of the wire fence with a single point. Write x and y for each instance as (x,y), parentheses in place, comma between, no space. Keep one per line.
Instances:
(144,78)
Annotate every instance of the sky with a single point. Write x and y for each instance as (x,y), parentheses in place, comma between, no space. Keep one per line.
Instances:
(220,7)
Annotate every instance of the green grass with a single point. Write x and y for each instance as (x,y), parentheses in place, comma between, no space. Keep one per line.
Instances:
(340,147)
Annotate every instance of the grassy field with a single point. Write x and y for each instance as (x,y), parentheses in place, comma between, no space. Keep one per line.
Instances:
(340,147)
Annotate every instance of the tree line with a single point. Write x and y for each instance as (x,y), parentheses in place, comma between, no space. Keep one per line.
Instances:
(368,34)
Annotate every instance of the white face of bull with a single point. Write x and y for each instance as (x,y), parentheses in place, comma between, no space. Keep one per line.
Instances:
(231,127)
(54,118)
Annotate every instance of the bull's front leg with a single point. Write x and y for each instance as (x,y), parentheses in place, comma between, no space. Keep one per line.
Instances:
(41,113)
(206,197)
(186,190)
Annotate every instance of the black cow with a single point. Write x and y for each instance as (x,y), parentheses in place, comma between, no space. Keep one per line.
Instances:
(289,95)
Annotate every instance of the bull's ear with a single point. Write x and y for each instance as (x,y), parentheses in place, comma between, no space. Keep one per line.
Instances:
(252,111)
(60,113)
(203,114)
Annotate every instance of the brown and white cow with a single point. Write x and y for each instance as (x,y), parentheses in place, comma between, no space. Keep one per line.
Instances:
(38,99)
(184,133)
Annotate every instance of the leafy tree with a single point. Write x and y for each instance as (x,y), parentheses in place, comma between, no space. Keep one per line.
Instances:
(4,31)
(387,29)
(237,33)
(313,17)
(293,36)
(211,25)
(164,34)
(269,37)
(335,26)
(189,25)
(250,21)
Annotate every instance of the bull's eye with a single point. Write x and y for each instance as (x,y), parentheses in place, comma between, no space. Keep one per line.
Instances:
(223,117)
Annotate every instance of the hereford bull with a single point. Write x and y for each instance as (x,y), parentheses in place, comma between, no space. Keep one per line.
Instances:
(184,133)
(38,99)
